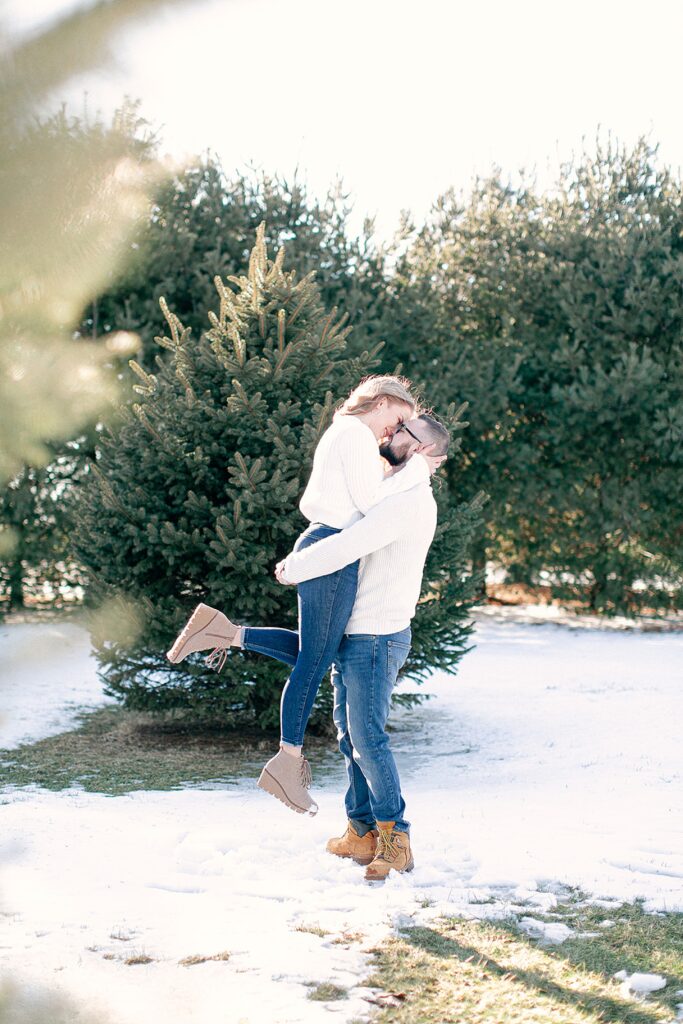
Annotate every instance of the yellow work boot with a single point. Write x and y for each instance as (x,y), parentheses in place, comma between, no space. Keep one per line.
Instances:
(392,854)
(351,844)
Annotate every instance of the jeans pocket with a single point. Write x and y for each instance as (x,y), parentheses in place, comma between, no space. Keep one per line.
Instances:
(397,655)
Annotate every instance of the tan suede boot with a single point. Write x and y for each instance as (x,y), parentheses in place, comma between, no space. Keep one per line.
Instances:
(289,778)
(393,853)
(206,627)
(359,848)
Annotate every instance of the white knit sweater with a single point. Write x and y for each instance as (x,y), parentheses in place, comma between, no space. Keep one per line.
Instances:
(348,479)
(392,541)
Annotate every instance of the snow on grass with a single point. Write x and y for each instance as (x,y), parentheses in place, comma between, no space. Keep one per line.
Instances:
(552,760)
(639,983)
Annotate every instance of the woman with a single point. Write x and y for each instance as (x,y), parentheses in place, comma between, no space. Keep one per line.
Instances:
(347,480)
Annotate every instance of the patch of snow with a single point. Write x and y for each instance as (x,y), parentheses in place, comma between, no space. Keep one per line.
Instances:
(548,932)
(640,984)
(549,762)
(47,677)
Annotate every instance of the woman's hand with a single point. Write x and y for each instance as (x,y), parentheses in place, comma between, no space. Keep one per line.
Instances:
(280,574)
(433,461)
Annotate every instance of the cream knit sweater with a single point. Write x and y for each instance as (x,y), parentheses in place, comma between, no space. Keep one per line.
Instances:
(392,542)
(348,479)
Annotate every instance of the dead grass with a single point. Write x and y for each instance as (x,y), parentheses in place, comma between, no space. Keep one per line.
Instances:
(198,958)
(312,929)
(470,972)
(116,751)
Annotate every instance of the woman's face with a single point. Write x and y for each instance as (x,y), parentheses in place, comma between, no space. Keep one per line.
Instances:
(389,416)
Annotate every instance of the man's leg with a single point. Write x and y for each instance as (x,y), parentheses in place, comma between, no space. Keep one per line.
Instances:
(359,842)
(370,666)
(357,799)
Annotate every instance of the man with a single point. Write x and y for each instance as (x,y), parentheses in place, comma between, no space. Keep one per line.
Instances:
(392,541)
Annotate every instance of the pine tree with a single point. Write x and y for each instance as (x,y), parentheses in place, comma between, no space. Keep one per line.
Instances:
(194,495)
(452,321)
(603,385)
(558,318)
(203,223)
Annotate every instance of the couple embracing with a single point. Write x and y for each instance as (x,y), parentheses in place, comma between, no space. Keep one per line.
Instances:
(358,571)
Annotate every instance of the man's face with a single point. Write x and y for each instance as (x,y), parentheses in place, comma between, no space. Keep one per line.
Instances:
(402,445)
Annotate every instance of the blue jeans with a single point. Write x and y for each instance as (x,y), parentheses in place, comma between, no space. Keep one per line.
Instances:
(364,675)
(325,605)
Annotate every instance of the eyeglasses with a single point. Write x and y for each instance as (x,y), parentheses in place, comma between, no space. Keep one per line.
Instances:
(404,426)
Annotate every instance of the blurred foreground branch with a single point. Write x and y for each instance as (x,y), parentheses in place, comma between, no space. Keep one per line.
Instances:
(68,210)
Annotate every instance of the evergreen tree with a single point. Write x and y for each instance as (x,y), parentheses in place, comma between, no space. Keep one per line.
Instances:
(34,524)
(559,318)
(203,223)
(33,511)
(452,321)
(603,386)
(194,496)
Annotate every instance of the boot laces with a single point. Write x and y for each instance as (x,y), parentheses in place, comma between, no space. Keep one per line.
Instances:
(217,658)
(389,847)
(306,777)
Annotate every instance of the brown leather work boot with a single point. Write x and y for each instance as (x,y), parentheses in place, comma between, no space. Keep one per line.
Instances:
(351,844)
(393,853)
(206,627)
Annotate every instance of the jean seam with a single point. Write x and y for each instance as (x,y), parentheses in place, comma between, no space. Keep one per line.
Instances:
(389,781)
(312,673)
(340,575)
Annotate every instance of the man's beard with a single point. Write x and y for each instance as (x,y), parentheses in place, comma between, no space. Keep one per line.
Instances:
(388,453)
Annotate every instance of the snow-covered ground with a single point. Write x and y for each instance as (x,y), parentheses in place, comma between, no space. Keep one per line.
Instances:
(553,759)
(47,675)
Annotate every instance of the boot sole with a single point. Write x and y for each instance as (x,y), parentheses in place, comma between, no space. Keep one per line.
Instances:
(178,652)
(363,861)
(271,785)
(382,878)
(175,654)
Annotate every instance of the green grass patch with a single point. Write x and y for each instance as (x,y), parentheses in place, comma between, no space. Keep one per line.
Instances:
(473,972)
(312,929)
(326,992)
(116,751)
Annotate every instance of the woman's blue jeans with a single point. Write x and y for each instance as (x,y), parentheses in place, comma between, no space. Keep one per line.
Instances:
(325,606)
(364,674)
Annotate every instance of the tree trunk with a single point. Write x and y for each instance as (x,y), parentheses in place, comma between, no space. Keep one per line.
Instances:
(478,552)
(16,581)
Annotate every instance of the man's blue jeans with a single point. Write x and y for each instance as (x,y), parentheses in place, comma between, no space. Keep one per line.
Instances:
(325,605)
(364,674)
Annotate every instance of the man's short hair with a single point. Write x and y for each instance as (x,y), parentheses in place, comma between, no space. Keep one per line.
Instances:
(438,435)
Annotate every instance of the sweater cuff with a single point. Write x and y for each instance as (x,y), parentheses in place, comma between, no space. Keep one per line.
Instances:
(289,572)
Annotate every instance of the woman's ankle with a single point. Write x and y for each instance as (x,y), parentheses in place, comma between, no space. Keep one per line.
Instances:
(290,748)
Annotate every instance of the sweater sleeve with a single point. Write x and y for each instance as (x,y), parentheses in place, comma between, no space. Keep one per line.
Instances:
(364,476)
(381,526)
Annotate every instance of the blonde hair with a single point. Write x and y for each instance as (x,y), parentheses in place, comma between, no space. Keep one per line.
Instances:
(368,393)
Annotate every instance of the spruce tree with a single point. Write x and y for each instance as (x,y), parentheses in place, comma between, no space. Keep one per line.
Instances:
(559,318)
(194,496)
